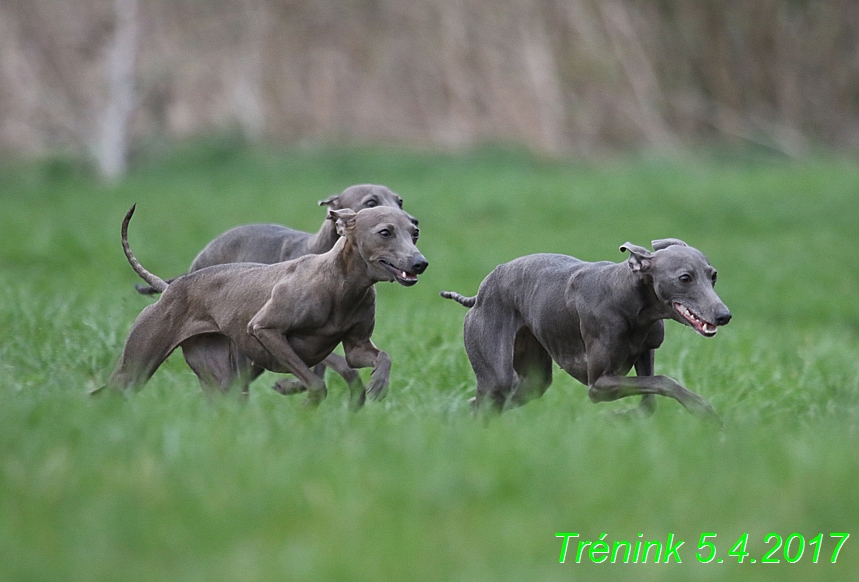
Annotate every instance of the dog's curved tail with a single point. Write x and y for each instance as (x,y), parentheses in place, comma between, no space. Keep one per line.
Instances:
(461,299)
(156,282)
(145,289)
(148,289)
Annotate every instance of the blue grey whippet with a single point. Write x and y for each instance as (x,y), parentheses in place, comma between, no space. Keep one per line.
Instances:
(596,320)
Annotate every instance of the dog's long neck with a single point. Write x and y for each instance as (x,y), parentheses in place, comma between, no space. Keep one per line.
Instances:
(637,295)
(349,269)
(324,240)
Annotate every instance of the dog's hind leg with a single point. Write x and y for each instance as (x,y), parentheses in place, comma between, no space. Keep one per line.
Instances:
(338,363)
(533,365)
(217,363)
(334,361)
(489,343)
(289,386)
(152,338)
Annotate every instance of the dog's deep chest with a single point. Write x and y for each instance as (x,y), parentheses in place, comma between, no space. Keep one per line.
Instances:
(315,344)
(570,352)
(315,335)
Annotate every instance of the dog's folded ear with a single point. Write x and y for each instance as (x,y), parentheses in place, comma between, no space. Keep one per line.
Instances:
(664,243)
(332,201)
(344,220)
(640,259)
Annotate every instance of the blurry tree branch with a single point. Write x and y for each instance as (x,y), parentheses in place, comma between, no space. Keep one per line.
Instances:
(639,71)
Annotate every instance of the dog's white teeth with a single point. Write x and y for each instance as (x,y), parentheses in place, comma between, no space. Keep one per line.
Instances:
(403,275)
(689,314)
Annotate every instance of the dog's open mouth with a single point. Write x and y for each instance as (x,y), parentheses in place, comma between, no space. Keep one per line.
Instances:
(403,277)
(705,328)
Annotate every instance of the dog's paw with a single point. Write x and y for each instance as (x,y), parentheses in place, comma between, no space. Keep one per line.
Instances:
(702,409)
(315,395)
(377,390)
(713,418)
(287,386)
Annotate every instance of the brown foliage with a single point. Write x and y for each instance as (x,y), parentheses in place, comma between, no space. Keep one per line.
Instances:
(561,76)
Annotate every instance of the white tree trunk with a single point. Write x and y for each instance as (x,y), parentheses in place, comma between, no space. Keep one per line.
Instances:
(111,147)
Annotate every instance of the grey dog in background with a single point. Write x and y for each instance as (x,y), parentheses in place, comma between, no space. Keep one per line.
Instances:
(596,320)
(273,243)
(235,320)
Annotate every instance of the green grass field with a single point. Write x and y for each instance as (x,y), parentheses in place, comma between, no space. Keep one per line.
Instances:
(164,485)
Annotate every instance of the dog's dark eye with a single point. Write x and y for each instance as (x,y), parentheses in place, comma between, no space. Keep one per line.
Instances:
(415,235)
(713,278)
(400,202)
(685,278)
(385,233)
(370,203)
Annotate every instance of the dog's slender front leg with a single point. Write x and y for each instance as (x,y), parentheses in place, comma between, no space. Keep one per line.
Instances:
(644,367)
(612,387)
(335,362)
(338,363)
(276,344)
(364,355)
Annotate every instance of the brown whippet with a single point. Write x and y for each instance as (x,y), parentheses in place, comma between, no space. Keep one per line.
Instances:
(273,243)
(235,320)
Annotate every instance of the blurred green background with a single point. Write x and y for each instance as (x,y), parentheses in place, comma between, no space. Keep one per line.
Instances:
(165,485)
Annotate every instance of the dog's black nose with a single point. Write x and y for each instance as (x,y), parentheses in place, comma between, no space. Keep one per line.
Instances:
(420,265)
(723,316)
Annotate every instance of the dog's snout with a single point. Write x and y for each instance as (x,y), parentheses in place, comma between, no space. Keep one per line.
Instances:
(723,316)
(419,265)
